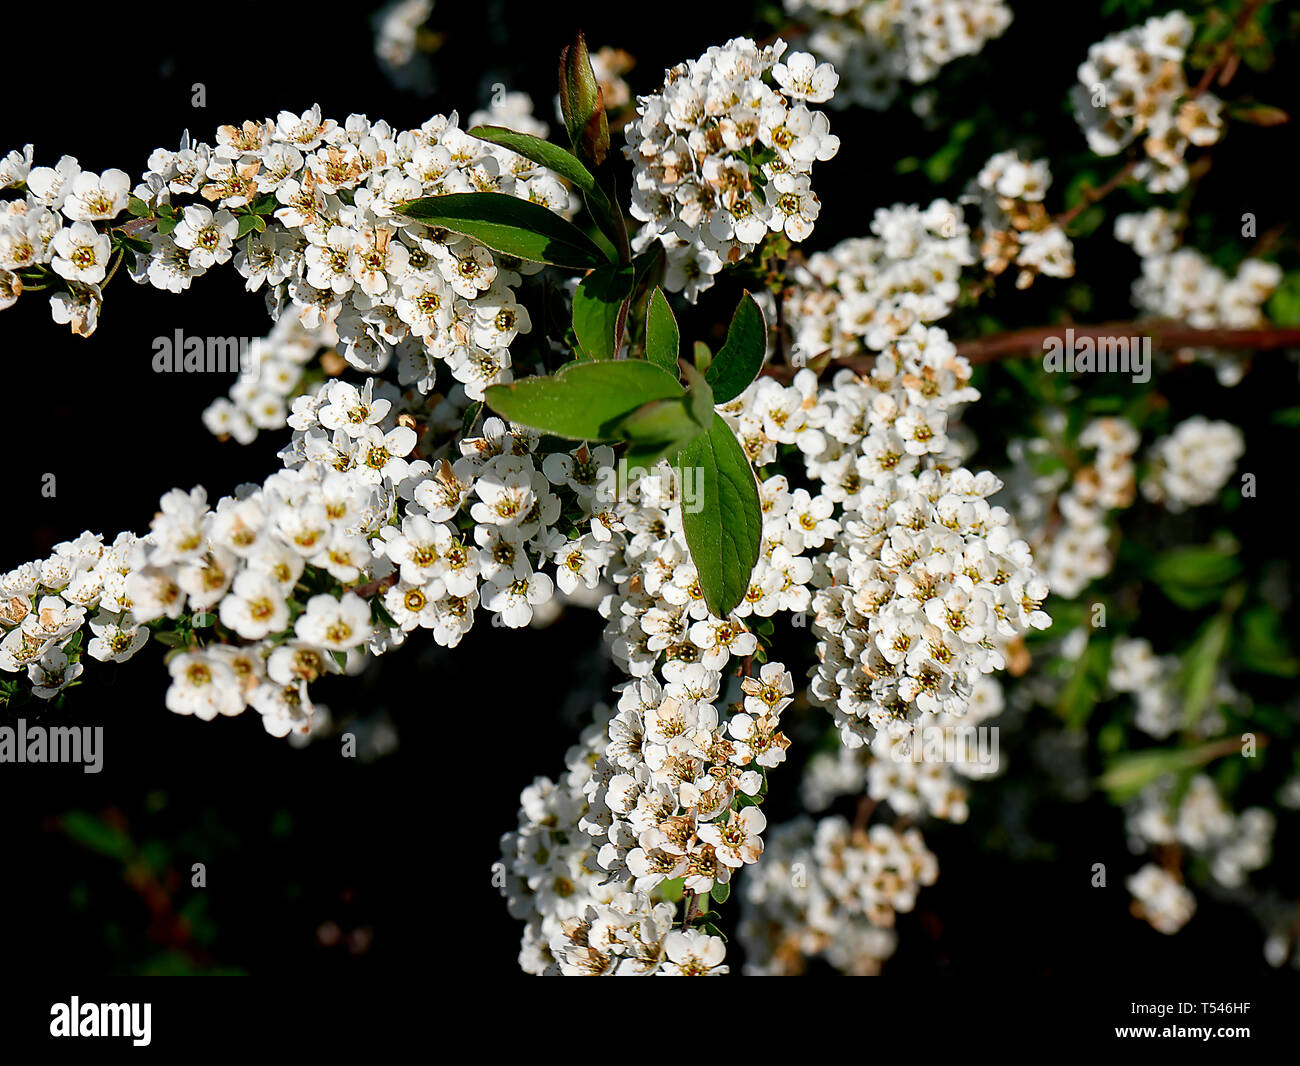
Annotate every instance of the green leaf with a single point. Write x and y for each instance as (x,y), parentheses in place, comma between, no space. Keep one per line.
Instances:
(1258,114)
(247,223)
(671,890)
(703,357)
(91,831)
(720,892)
(700,397)
(724,523)
(741,356)
(509,225)
(584,401)
(657,430)
(166,225)
(549,155)
(1127,775)
(662,337)
(1201,667)
(1261,646)
(600,308)
(138,207)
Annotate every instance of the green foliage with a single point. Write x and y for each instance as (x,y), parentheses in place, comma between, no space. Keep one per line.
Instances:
(726,532)
(509,225)
(741,356)
(600,309)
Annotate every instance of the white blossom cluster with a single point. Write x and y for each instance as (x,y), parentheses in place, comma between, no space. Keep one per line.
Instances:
(912,786)
(1182,285)
(1153,682)
(45,603)
(574,923)
(1078,548)
(260,399)
(660,797)
(1188,467)
(1233,844)
(878,44)
(872,290)
(436,540)
(648,797)
(1015,227)
(925,580)
(1160,898)
(721,158)
(1132,87)
(832,890)
(336,249)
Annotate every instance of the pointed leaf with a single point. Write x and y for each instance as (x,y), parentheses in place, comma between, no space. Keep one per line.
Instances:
(509,225)
(725,531)
(699,397)
(599,307)
(662,338)
(549,155)
(741,357)
(584,401)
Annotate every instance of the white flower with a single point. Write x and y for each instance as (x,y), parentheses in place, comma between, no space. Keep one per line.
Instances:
(81,253)
(336,625)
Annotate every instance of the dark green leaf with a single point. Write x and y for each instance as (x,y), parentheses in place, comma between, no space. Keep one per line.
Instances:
(662,338)
(741,356)
(509,225)
(599,307)
(549,155)
(724,523)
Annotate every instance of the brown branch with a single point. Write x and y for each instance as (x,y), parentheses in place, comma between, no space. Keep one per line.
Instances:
(1225,62)
(1090,196)
(1165,336)
(382,584)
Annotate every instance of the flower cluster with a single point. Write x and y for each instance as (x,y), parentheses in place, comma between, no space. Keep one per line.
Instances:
(926,579)
(661,796)
(872,290)
(1153,682)
(1132,86)
(44,605)
(1188,467)
(1232,844)
(878,44)
(722,158)
(327,238)
(1014,225)
(833,890)
(1181,284)
(1160,899)
(1079,551)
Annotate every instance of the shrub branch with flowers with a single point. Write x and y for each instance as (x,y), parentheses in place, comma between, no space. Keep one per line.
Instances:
(813,473)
